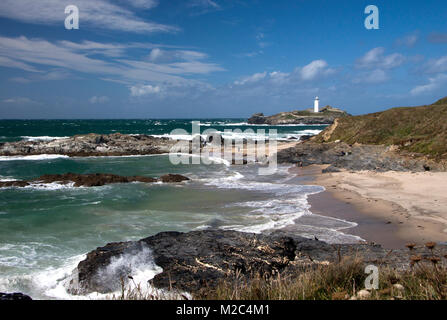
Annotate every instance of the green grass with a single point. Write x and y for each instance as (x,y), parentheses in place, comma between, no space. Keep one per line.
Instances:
(414,129)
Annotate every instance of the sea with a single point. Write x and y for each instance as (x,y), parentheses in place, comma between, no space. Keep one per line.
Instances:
(47,229)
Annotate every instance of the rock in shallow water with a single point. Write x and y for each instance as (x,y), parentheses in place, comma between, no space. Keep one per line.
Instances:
(14,296)
(92,180)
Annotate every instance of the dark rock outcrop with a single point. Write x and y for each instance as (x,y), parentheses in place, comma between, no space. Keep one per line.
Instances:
(91,180)
(173,178)
(91,145)
(257,118)
(200,259)
(13,296)
(340,155)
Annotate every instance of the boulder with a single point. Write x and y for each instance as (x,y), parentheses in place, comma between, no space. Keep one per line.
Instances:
(13,296)
(173,178)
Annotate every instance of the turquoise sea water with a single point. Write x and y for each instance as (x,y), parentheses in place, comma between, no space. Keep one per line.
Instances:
(45,230)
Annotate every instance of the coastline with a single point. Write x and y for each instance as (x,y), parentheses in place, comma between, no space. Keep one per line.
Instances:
(384,213)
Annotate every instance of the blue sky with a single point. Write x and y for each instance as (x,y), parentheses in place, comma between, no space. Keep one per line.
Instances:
(217,58)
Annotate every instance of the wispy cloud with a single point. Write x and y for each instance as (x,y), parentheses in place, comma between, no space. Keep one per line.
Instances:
(99,99)
(433,84)
(409,40)
(376,58)
(20,101)
(142,4)
(203,6)
(37,55)
(436,65)
(160,55)
(93,13)
(251,79)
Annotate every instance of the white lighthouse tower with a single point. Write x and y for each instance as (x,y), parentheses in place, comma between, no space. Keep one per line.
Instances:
(317,105)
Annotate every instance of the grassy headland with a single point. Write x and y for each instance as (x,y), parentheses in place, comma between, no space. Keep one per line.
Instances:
(413,129)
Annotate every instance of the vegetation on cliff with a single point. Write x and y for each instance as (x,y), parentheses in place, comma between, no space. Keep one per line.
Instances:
(327,115)
(413,129)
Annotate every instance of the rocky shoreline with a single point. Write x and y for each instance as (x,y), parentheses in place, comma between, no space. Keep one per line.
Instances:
(91,180)
(199,260)
(91,145)
(339,155)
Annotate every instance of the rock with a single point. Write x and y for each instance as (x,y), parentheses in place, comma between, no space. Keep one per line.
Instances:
(305,137)
(14,296)
(257,118)
(189,261)
(91,180)
(350,157)
(363,295)
(173,178)
(91,145)
(201,259)
(399,287)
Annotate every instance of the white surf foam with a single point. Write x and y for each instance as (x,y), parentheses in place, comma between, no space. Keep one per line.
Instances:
(33,157)
(42,138)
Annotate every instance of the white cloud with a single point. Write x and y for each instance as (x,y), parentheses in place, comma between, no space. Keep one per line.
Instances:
(436,65)
(376,58)
(203,6)
(251,79)
(11,63)
(433,84)
(314,69)
(159,55)
(204,3)
(409,40)
(98,99)
(32,54)
(142,90)
(96,13)
(143,4)
(19,101)
(278,77)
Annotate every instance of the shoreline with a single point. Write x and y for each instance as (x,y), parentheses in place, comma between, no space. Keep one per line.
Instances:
(378,213)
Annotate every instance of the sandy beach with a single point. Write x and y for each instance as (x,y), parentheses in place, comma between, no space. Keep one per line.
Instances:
(390,208)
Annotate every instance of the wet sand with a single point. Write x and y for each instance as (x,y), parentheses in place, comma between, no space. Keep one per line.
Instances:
(378,219)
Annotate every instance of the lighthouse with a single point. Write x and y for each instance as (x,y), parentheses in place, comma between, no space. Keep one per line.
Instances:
(316,105)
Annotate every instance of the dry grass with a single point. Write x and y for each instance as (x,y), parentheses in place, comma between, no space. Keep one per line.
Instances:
(426,280)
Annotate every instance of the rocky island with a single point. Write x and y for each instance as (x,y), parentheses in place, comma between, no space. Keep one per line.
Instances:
(326,115)
(92,144)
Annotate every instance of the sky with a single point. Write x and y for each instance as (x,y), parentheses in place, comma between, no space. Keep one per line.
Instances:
(217,58)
